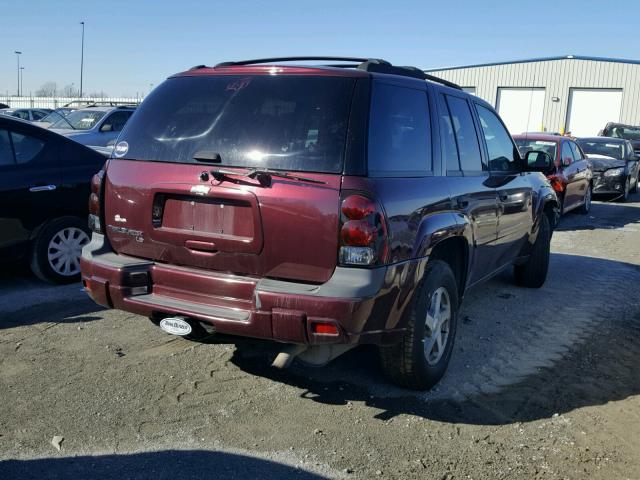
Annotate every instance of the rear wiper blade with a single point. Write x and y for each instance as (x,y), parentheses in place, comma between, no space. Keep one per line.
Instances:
(262,172)
(263,175)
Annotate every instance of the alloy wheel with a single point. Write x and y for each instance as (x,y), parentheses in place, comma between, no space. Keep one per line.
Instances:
(437,326)
(65,249)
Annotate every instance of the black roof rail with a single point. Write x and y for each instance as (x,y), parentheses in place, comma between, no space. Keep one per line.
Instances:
(296,59)
(367,64)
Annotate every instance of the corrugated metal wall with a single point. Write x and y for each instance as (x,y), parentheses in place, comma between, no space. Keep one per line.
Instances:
(557,77)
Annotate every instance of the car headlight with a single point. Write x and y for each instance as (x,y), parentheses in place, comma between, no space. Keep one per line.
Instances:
(614,172)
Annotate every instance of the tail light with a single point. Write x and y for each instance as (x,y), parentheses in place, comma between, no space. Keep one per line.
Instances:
(556,183)
(95,205)
(363,231)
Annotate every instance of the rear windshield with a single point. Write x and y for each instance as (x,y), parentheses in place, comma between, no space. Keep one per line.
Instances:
(527,145)
(279,122)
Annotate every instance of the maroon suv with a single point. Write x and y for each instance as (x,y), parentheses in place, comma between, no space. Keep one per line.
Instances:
(319,206)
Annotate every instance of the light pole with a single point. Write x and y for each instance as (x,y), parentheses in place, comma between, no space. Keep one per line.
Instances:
(81,58)
(18,57)
(21,79)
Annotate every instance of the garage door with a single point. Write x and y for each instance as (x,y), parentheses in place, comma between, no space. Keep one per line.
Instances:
(590,110)
(521,108)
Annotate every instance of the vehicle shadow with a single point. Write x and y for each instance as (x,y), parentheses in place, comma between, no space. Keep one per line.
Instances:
(59,311)
(520,355)
(604,215)
(167,464)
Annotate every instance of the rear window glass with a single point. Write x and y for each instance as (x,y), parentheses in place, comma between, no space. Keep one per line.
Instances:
(280,122)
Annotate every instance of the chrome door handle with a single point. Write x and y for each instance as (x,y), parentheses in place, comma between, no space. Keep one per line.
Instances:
(42,188)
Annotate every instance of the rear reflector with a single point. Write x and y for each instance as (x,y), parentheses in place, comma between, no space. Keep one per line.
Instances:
(324,328)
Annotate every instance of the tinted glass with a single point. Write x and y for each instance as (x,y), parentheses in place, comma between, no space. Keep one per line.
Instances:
(503,154)
(26,148)
(467,140)
(528,145)
(23,114)
(610,149)
(566,153)
(630,133)
(280,122)
(38,115)
(447,137)
(6,154)
(399,131)
(576,151)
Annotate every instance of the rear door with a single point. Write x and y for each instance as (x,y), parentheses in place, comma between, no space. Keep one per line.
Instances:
(570,171)
(166,199)
(468,177)
(29,179)
(583,174)
(515,194)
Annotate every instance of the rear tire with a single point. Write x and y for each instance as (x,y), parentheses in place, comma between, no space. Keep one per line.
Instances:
(533,273)
(419,360)
(55,253)
(586,206)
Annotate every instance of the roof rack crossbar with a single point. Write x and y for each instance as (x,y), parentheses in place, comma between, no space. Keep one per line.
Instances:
(297,59)
(367,64)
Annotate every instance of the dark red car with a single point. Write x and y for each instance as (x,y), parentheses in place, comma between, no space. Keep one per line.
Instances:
(318,206)
(571,175)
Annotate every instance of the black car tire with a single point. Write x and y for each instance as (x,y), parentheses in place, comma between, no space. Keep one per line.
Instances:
(625,195)
(533,273)
(40,264)
(635,185)
(405,363)
(586,206)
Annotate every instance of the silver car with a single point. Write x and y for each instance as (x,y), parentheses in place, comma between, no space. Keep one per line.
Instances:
(95,126)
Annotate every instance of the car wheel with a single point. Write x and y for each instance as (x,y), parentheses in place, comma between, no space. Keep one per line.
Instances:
(625,195)
(635,185)
(586,205)
(533,273)
(420,359)
(55,254)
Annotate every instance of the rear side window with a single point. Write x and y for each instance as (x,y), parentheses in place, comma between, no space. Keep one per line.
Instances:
(459,138)
(577,155)
(267,121)
(399,131)
(25,147)
(6,153)
(503,154)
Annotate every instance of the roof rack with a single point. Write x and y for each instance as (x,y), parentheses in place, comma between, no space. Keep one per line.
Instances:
(97,103)
(376,65)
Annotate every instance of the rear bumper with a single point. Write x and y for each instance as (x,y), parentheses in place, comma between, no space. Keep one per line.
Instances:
(366,305)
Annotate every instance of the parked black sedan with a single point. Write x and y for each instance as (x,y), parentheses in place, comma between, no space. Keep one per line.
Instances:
(614,163)
(44,189)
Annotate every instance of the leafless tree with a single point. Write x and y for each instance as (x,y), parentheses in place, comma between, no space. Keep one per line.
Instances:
(49,89)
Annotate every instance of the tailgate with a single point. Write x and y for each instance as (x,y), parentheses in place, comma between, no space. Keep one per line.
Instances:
(165,212)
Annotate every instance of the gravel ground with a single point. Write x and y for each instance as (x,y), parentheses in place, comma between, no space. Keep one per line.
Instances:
(542,384)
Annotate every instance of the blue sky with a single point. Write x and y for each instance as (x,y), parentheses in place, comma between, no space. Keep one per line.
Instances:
(132,44)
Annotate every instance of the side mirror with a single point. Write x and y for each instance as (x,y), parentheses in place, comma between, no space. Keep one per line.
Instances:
(538,161)
(566,161)
(106,127)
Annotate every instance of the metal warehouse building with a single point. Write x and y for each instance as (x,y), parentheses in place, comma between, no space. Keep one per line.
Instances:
(556,94)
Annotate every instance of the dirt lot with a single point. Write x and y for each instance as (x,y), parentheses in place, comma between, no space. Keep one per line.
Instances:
(542,384)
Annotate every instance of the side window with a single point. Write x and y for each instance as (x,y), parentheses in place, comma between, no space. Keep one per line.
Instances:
(38,115)
(503,154)
(399,131)
(566,154)
(447,137)
(6,153)
(26,148)
(465,134)
(23,114)
(577,154)
(117,120)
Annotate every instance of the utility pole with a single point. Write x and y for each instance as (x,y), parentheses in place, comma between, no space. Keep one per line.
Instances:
(81,58)
(21,79)
(18,57)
